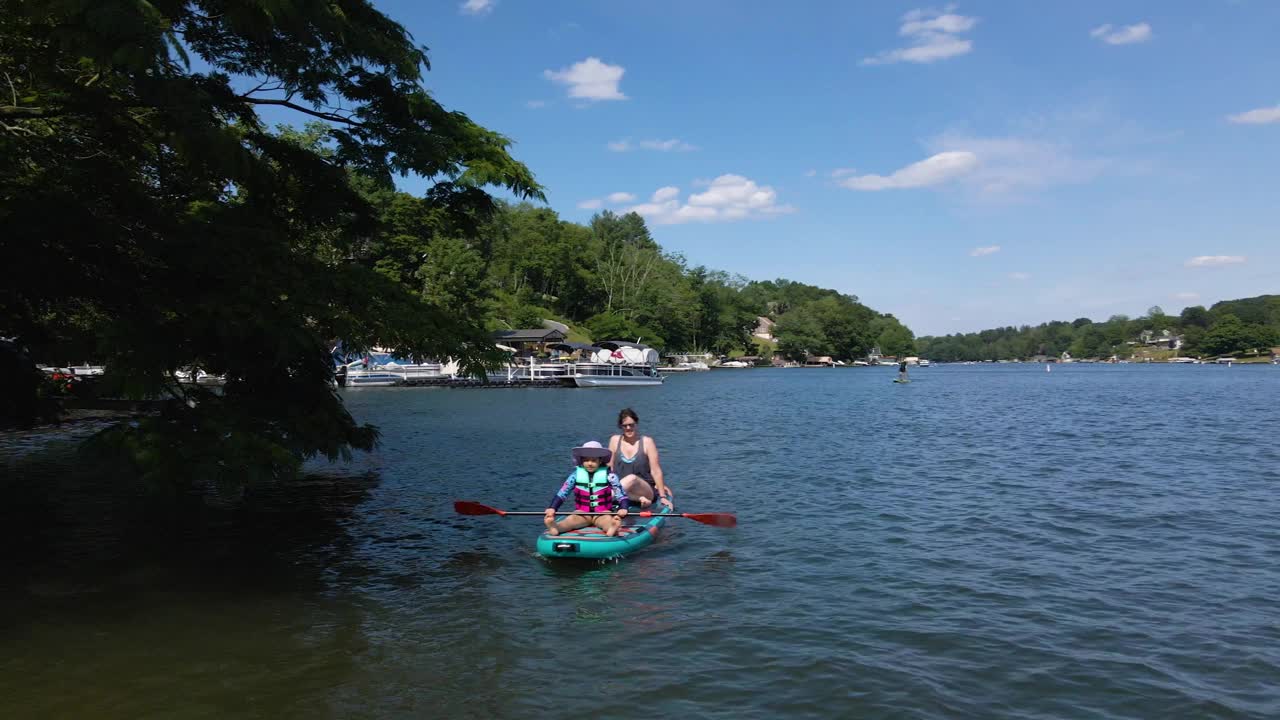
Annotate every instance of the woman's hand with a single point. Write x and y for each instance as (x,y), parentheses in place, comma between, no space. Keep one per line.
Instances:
(645,502)
(622,513)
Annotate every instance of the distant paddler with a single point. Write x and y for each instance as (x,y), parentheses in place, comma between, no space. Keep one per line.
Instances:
(902,372)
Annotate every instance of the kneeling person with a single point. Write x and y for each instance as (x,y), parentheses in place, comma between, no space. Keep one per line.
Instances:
(594,489)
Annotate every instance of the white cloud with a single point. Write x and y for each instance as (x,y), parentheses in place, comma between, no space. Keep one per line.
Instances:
(667,145)
(592,204)
(934,170)
(671,145)
(1019,276)
(664,194)
(933,34)
(727,198)
(476,7)
(1127,35)
(1009,166)
(988,250)
(535,104)
(620,197)
(841,172)
(590,79)
(1187,296)
(1215,260)
(1260,116)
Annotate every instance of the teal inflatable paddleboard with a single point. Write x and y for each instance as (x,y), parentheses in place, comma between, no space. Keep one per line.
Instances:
(904,382)
(590,543)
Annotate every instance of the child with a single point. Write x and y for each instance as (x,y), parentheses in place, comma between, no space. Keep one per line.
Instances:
(594,489)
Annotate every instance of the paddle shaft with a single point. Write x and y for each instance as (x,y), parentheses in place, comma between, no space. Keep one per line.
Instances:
(469,507)
(645,513)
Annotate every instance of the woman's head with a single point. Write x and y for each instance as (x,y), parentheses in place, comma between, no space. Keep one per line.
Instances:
(628,420)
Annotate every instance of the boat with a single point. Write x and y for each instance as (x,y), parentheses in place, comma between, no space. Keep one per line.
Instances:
(618,363)
(590,543)
(924,363)
(380,368)
(734,364)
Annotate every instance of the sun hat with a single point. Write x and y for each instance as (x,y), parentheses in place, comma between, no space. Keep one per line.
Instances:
(591,449)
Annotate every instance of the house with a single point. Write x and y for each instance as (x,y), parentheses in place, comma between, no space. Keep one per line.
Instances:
(764,328)
(1163,339)
(528,342)
(819,361)
(873,357)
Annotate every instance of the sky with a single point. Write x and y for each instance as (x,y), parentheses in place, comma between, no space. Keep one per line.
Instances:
(961,166)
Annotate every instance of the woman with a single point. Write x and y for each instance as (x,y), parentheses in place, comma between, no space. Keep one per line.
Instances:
(635,461)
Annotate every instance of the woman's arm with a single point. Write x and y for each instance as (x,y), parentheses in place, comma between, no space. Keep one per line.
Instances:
(655,467)
(613,451)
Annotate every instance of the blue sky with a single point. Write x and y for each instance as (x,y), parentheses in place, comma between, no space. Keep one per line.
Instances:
(961,166)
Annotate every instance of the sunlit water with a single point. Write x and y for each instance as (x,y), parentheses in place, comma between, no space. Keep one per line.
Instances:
(1095,542)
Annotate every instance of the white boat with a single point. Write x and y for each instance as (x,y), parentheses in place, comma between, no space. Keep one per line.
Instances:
(382,369)
(618,363)
(924,363)
(608,375)
(734,364)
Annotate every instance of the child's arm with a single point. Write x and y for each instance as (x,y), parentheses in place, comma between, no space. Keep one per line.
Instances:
(562,494)
(616,486)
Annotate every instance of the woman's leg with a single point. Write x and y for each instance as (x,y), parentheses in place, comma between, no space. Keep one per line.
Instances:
(638,490)
(573,522)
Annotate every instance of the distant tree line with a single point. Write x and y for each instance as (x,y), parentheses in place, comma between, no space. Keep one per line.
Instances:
(1228,327)
(611,279)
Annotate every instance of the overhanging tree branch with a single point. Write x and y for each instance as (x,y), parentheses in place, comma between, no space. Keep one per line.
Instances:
(307,111)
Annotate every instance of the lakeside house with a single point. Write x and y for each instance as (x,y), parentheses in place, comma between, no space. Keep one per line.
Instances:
(819,361)
(1165,339)
(530,341)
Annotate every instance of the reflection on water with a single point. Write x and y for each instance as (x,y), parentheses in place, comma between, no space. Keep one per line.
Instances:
(985,542)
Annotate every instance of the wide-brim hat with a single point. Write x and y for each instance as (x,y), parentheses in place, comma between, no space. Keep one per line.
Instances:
(591,449)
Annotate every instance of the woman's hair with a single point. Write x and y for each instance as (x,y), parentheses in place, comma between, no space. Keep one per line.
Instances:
(627,413)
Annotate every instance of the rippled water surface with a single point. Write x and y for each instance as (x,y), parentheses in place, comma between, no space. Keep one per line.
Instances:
(1095,542)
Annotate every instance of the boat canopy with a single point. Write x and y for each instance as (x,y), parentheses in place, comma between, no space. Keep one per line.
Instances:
(617,344)
(625,353)
(571,346)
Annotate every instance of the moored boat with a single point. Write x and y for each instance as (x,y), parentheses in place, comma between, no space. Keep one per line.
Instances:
(619,363)
(590,543)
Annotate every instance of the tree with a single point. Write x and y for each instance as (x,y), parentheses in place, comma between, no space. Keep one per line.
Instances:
(893,337)
(200,237)
(1228,335)
(1195,316)
(800,335)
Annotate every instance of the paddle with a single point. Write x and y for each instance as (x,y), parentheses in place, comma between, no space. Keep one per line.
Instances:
(724,520)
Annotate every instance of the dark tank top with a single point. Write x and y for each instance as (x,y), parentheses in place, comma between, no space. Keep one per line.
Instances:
(638,465)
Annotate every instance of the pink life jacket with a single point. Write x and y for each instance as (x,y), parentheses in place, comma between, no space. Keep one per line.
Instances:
(591,491)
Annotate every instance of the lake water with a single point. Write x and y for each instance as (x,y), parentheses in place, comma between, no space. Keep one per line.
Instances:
(985,542)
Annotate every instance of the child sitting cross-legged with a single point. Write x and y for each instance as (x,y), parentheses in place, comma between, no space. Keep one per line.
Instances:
(594,489)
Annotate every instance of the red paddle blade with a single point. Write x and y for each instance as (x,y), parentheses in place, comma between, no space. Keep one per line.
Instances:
(724,520)
(466,507)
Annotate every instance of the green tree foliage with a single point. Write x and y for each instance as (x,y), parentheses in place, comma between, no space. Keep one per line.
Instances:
(153,220)
(1217,330)
(1194,316)
(1231,335)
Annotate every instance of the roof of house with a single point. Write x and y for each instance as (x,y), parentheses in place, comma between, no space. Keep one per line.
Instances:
(532,335)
